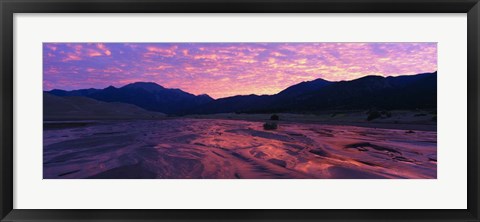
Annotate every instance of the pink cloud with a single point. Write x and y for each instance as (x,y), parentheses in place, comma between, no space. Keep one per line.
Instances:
(71,57)
(104,49)
(167,52)
(206,56)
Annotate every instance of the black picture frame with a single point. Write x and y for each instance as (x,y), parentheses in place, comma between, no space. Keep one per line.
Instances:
(9,7)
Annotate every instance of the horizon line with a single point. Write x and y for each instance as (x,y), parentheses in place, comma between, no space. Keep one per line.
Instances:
(253,94)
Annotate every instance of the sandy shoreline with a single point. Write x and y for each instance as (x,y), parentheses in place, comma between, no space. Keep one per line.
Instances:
(402,120)
(381,125)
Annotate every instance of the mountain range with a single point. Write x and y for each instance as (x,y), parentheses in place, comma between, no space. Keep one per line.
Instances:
(401,92)
(147,95)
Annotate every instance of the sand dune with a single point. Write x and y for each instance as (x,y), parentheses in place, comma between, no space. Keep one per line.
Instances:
(220,148)
(82,108)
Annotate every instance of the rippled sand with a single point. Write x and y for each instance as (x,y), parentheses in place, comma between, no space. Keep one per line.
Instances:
(221,149)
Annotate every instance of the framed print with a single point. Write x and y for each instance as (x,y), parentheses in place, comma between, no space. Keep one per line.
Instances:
(171,139)
(256,110)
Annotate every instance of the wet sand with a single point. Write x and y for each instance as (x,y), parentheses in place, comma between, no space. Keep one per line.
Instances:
(227,149)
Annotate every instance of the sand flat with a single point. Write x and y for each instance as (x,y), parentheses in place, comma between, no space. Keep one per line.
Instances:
(186,148)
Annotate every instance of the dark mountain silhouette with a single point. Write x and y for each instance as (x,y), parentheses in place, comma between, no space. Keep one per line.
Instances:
(303,88)
(80,92)
(248,103)
(147,95)
(148,86)
(369,92)
(83,108)
(231,104)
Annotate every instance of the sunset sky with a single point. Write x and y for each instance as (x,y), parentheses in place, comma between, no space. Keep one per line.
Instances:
(227,69)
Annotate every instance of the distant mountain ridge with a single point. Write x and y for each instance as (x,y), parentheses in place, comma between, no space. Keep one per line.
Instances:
(147,95)
(148,86)
(401,92)
(303,87)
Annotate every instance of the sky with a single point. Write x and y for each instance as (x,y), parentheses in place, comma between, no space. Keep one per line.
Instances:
(227,69)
